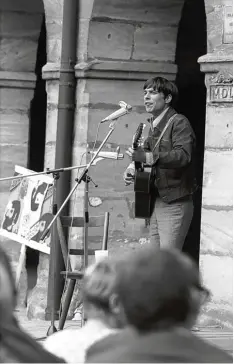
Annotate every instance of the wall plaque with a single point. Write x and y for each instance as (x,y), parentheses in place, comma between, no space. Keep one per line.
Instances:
(221,87)
(228,25)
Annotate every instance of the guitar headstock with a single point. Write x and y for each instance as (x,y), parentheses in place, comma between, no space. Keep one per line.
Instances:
(138,136)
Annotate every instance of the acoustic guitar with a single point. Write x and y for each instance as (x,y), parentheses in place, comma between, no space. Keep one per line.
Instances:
(143,182)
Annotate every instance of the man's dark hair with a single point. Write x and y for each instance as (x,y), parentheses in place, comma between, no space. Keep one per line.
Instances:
(154,287)
(163,85)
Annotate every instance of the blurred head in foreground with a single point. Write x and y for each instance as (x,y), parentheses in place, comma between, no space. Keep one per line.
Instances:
(101,301)
(15,345)
(160,289)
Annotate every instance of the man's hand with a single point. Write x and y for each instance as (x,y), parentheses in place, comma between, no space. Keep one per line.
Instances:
(129,152)
(136,155)
(129,175)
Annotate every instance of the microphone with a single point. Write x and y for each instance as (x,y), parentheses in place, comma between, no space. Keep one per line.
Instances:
(124,109)
(109,155)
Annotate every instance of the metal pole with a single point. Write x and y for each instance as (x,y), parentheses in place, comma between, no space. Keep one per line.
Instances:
(63,153)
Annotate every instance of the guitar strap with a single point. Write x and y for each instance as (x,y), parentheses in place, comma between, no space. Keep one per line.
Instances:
(164,129)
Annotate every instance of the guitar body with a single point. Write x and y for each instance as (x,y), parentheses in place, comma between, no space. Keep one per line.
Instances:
(143,183)
(142,188)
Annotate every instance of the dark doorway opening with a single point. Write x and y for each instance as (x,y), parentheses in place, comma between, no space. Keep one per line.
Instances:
(191,44)
(37,129)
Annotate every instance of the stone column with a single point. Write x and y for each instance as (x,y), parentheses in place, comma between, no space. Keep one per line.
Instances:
(217,217)
(50,72)
(38,300)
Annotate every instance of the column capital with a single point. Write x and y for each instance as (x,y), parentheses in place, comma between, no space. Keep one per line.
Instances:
(51,71)
(213,62)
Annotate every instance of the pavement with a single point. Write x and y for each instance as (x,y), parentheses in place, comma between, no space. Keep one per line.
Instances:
(39,328)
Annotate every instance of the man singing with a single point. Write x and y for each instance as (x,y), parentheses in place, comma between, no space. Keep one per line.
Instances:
(172,163)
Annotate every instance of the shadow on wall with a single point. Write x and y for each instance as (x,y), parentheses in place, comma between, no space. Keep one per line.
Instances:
(37,140)
(191,44)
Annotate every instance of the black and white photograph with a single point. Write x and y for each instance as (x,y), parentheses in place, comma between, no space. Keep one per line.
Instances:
(116,181)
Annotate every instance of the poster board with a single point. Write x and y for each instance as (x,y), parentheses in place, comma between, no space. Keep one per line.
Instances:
(29,210)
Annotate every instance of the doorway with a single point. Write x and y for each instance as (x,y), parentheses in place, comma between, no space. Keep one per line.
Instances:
(191,44)
(37,130)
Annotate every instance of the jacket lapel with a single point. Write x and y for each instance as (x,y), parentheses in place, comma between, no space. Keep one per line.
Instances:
(159,128)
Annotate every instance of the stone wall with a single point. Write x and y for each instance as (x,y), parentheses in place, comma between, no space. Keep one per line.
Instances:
(216,257)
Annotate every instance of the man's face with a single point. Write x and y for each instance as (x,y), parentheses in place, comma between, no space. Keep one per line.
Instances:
(155,102)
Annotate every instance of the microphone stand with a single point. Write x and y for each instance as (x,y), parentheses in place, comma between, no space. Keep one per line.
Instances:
(85,178)
(48,171)
(80,179)
(52,329)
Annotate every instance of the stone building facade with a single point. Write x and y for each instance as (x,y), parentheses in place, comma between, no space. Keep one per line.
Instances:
(120,44)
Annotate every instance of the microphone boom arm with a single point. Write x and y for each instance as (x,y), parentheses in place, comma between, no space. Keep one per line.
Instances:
(79,180)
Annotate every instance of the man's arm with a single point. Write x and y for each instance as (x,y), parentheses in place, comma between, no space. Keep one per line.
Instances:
(183,143)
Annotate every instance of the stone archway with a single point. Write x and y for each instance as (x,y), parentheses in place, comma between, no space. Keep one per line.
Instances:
(119,46)
(118,49)
(118,53)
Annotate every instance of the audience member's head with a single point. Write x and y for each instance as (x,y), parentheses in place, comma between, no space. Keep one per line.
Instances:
(159,289)
(99,293)
(15,345)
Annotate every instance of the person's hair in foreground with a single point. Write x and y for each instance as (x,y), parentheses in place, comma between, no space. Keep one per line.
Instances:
(15,344)
(160,289)
(161,293)
(99,293)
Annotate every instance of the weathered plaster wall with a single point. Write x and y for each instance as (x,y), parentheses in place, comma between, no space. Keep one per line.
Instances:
(217,217)
(20,25)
